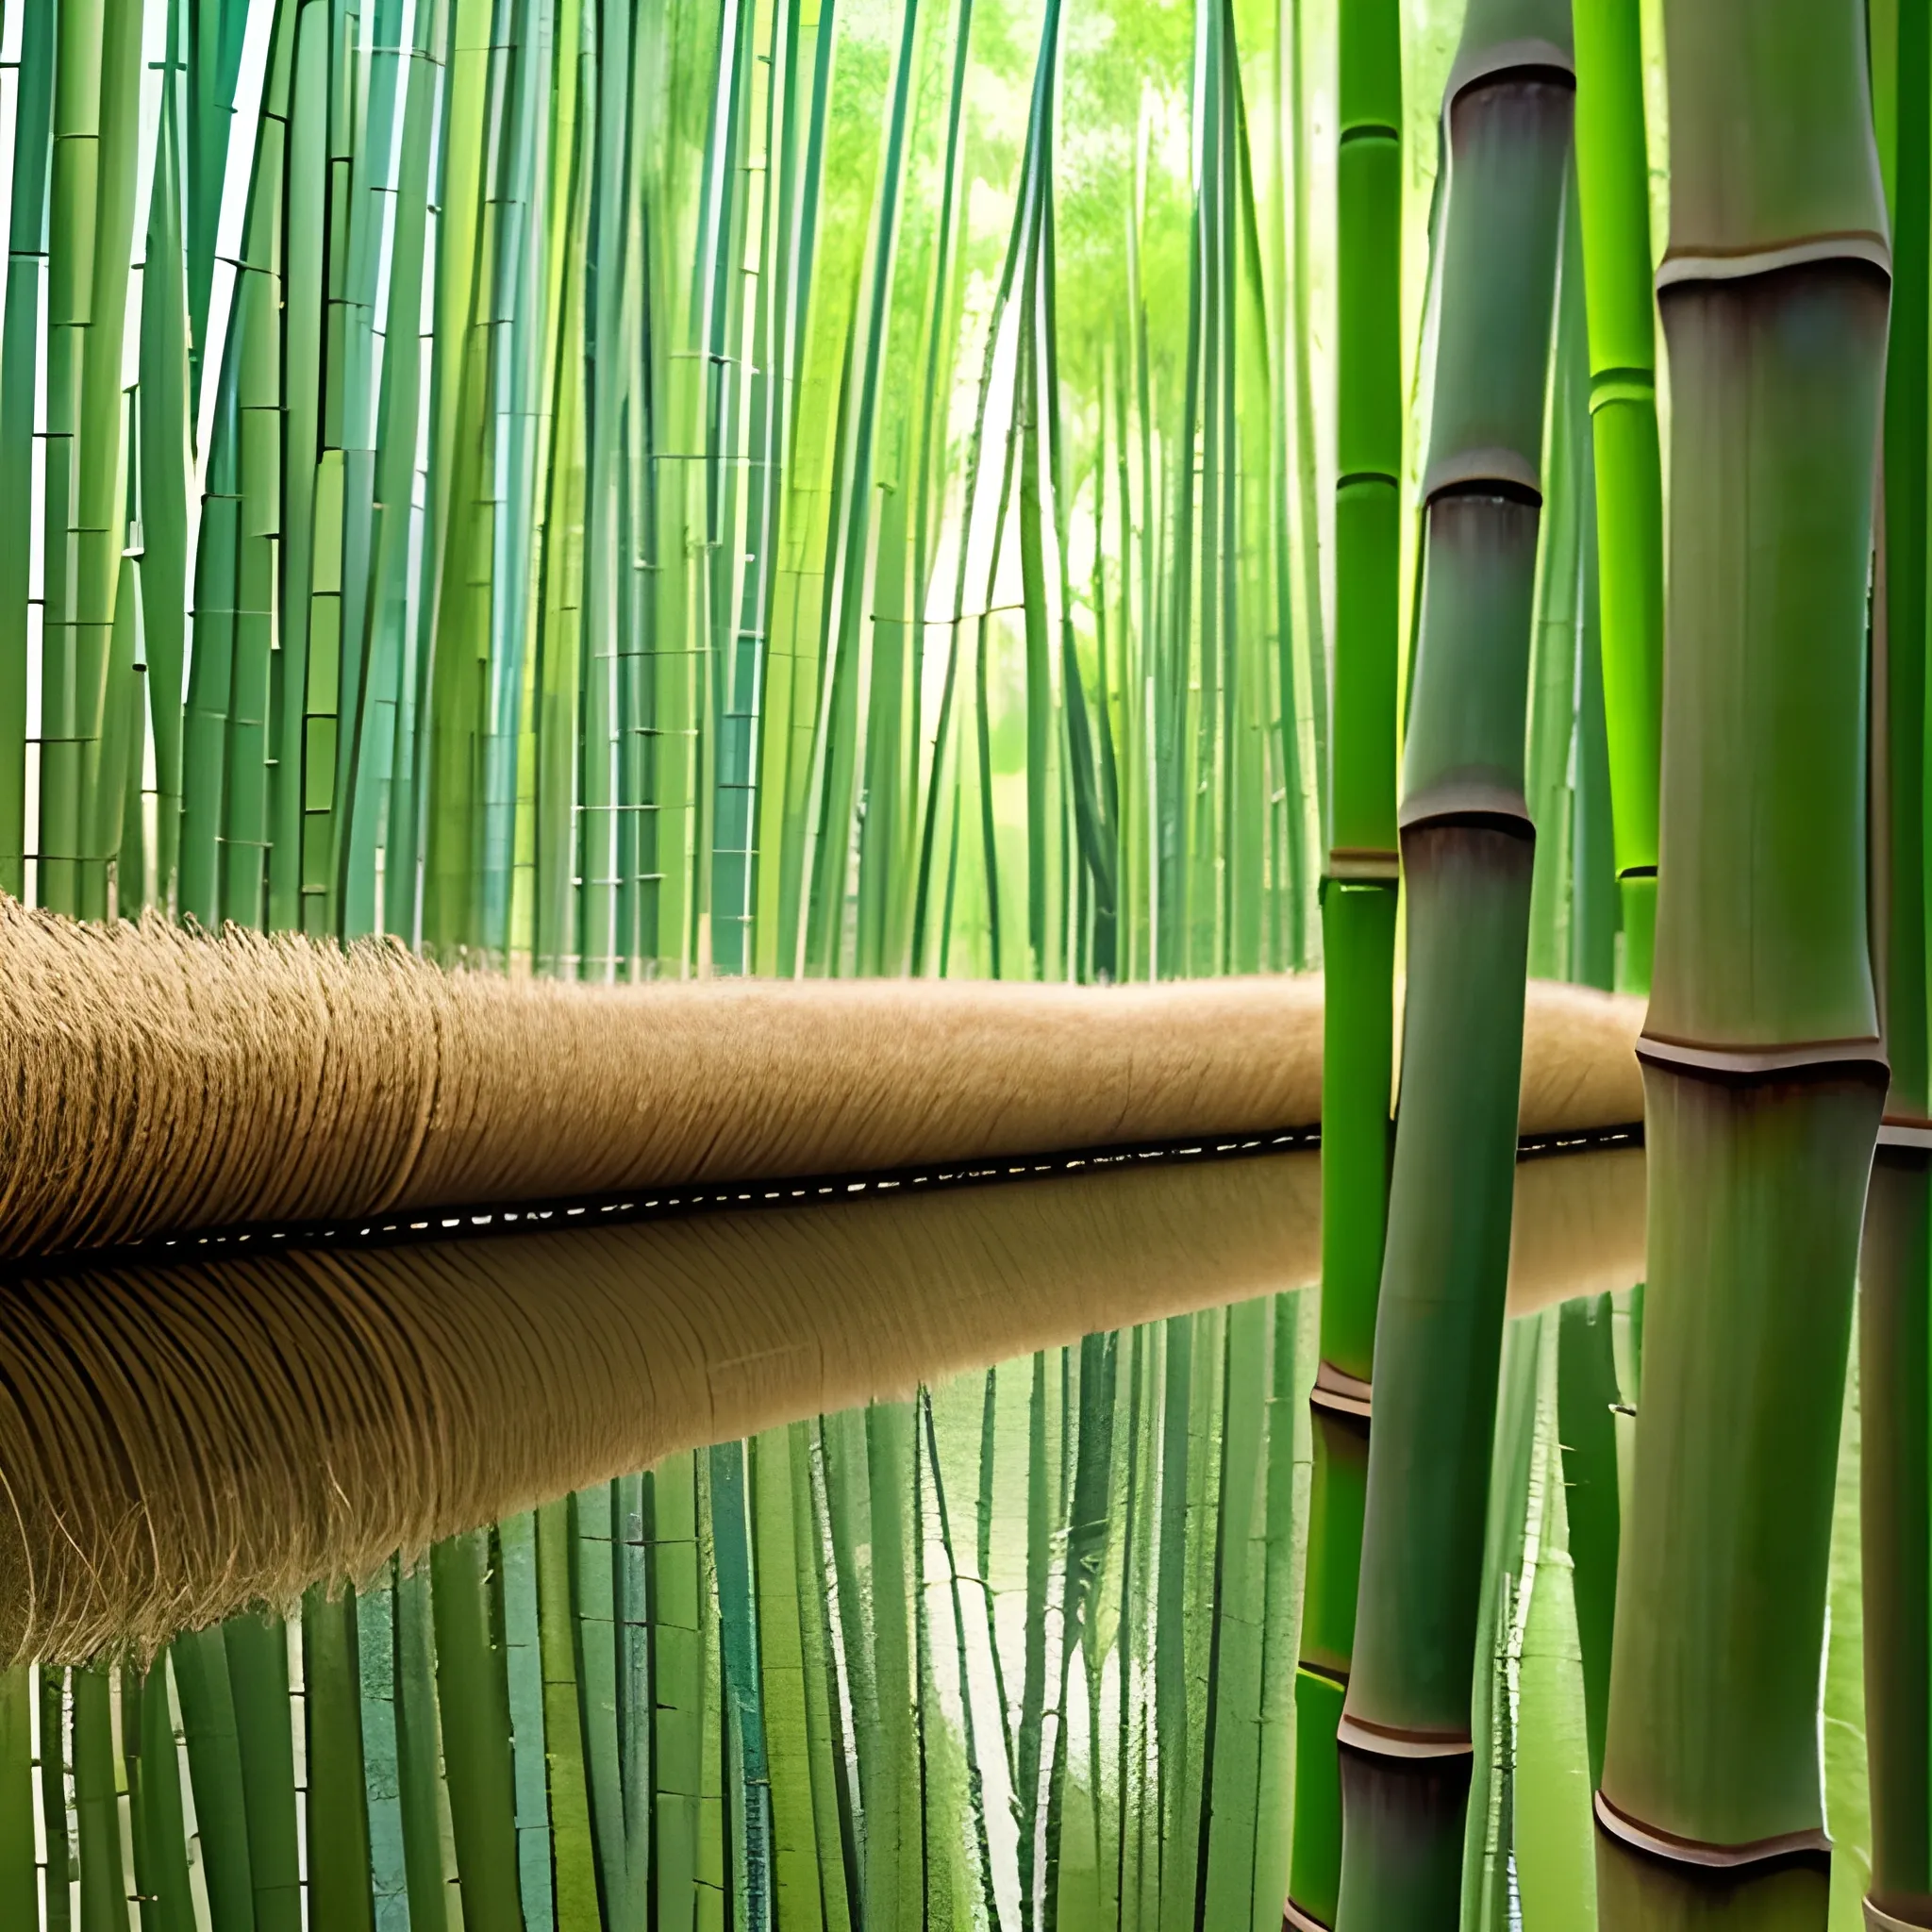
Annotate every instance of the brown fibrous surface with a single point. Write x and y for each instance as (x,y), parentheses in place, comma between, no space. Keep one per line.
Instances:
(159,1081)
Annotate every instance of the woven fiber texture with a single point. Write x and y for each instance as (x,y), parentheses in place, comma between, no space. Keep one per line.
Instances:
(158,1081)
(177,1442)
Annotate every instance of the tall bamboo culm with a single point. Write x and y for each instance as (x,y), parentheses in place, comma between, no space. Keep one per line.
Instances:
(1359,900)
(1467,848)
(1613,192)
(1893,1337)
(1765,1078)
(1614,208)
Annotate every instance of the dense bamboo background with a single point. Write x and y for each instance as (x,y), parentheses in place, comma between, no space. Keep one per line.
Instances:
(616,488)
(552,480)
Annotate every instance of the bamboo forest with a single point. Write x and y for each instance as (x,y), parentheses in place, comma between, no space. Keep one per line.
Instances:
(964,966)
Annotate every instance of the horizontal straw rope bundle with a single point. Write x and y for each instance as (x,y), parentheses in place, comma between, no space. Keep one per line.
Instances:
(179,1441)
(158,1081)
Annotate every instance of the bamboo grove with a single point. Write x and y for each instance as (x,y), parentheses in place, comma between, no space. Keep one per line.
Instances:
(545,480)
(1092,489)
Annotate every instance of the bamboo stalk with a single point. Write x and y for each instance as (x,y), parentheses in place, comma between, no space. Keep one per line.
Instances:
(1614,176)
(1763,1070)
(1893,1336)
(22,358)
(1359,903)
(336,1824)
(1467,844)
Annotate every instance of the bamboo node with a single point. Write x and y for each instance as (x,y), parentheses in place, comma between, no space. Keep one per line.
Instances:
(1782,1848)
(1795,1058)
(1293,1919)
(1340,1394)
(1878,1919)
(1709,264)
(1530,58)
(1492,471)
(1363,865)
(1467,798)
(1393,1740)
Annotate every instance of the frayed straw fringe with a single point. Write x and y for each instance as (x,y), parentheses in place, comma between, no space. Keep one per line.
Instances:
(161,1082)
(179,1442)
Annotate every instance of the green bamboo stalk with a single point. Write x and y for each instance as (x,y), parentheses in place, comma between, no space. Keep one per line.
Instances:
(895,1792)
(1289,1449)
(225,753)
(789,1732)
(815,337)
(166,478)
(523,1652)
(846,605)
(1586,1394)
(103,1880)
(199,1662)
(90,197)
(464,476)
(573,1851)
(593,1599)
(1596,900)
(714,1875)
(383,794)
(1552,1843)
(22,366)
(364,121)
(1893,1337)
(377,1680)
(1763,1070)
(159,1837)
(1239,1658)
(899,1800)
(1613,176)
(1514,1508)
(53,1764)
(1359,900)
(1841,1695)
(1086,1532)
(257,1657)
(339,1882)
(430,1878)
(302,689)
(558,669)
(726,211)
(735,813)
(518,369)
(473,1705)
(912,509)
(631,1607)
(614,771)
(1378,91)
(1553,678)
(678,1682)
(19,1874)
(1467,845)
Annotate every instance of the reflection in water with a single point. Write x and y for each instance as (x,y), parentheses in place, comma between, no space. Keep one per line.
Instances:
(181,1441)
(1577,1227)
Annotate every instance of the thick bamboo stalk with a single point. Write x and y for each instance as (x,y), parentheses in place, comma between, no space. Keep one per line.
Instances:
(1613,182)
(1764,1074)
(1467,844)
(1893,1336)
(1359,901)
